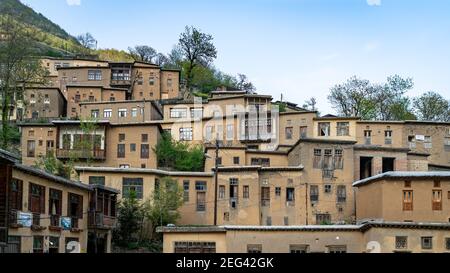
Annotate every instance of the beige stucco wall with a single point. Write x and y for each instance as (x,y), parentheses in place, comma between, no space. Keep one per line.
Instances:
(41,133)
(384,200)
(27,234)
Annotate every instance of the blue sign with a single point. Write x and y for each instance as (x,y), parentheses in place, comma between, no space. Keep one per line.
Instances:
(24,219)
(66,223)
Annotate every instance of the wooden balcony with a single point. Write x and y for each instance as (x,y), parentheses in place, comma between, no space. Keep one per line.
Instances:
(101,221)
(81,154)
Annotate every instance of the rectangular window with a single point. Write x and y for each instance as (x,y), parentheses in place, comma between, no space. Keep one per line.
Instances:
(236,160)
(265,196)
(186,134)
(314,193)
(323,219)
(31,148)
(132,185)
(97,180)
(447,243)
(437,200)
(133,147)
(368,137)
(427,242)
(303,132)
(343,129)
(197,113)
(36,198)
(338,159)
(144,138)
(328,159)
(298,249)
(290,194)
(428,143)
(186,186)
(178,113)
(407,200)
(221,192)
(341,194)
(388,137)
(401,242)
(15,194)
(134,112)
(324,129)
(38,244)
(278,191)
(75,207)
(337,249)
(94,75)
(201,201)
(145,151)
(255,249)
(246,193)
(121,137)
(107,113)
(200,186)
(95,113)
(123,113)
(230,132)
(317,163)
(120,150)
(289,132)
(55,204)
(194,247)
(327,188)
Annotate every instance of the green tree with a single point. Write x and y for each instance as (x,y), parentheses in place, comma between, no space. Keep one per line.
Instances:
(130,215)
(52,165)
(142,53)
(179,156)
(431,106)
(162,208)
(354,98)
(18,70)
(197,49)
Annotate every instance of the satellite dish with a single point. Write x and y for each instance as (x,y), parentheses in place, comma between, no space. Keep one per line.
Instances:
(373,247)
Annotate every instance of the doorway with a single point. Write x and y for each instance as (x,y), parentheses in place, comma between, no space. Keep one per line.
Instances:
(365,167)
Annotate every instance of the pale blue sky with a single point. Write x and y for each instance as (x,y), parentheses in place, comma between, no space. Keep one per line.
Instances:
(299,48)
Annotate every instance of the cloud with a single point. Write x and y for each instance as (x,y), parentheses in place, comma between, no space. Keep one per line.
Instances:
(371,46)
(374,2)
(73,2)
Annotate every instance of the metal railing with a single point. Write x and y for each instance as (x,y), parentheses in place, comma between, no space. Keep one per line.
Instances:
(67,153)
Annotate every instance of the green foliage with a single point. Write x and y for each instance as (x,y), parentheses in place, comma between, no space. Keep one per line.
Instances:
(30,17)
(113,55)
(162,208)
(179,156)
(432,106)
(130,215)
(281,106)
(52,165)
(360,98)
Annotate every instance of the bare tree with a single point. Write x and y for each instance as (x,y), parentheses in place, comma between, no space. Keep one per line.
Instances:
(244,84)
(198,49)
(142,53)
(311,104)
(87,40)
(161,60)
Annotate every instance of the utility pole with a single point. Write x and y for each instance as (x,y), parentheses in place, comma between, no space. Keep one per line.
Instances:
(216,177)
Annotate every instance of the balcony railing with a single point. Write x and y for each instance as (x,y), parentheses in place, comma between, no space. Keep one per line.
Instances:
(37,219)
(82,154)
(55,221)
(102,221)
